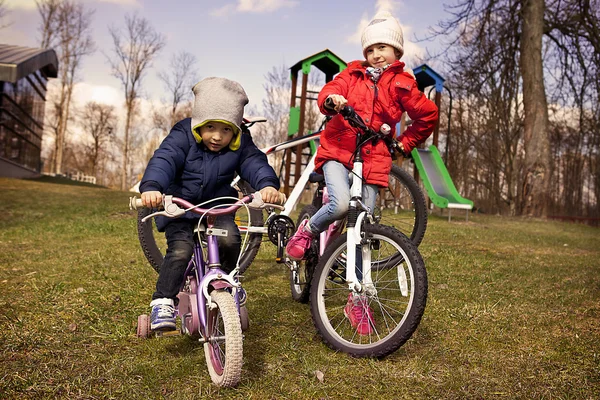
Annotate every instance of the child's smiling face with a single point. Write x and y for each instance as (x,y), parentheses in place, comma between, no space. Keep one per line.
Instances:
(379,55)
(216,135)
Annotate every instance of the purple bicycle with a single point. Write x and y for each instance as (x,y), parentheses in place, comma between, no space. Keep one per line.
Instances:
(210,307)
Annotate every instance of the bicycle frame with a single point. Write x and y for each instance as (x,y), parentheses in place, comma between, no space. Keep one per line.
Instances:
(202,273)
(299,185)
(203,277)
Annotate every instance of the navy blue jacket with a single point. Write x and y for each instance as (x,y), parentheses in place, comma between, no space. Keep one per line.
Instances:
(185,168)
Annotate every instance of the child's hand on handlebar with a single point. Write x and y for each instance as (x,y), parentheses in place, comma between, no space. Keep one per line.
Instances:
(335,102)
(272,195)
(152,199)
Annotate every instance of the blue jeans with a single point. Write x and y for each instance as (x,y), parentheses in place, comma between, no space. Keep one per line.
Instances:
(180,246)
(337,179)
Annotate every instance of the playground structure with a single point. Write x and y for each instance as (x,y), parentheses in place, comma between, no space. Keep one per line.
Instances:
(328,63)
(428,162)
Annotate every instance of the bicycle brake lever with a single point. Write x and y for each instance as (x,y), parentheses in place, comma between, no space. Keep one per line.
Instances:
(257,203)
(171,210)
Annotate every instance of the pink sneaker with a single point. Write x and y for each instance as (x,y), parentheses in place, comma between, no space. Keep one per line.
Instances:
(360,315)
(299,243)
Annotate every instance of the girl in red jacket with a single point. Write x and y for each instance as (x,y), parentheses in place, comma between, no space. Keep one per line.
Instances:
(380,91)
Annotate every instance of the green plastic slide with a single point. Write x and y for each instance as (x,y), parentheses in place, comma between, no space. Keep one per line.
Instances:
(439,185)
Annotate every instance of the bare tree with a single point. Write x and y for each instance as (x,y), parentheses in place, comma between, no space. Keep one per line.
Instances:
(507,58)
(179,81)
(134,51)
(66,25)
(99,121)
(3,15)
(536,180)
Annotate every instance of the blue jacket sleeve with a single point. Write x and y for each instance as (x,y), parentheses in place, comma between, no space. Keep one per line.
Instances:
(167,161)
(254,167)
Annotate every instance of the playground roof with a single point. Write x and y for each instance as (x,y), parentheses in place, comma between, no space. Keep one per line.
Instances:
(326,61)
(426,76)
(17,62)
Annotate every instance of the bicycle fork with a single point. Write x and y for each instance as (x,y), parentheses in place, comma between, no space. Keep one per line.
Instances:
(354,238)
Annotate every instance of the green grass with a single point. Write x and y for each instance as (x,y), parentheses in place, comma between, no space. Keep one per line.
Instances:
(513,312)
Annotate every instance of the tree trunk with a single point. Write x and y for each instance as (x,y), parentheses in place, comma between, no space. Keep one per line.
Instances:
(536,179)
(124,174)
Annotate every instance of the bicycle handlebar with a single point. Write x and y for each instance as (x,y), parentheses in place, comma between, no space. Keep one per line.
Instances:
(172,207)
(356,121)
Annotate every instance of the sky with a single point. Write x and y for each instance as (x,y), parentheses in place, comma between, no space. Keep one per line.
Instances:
(238,39)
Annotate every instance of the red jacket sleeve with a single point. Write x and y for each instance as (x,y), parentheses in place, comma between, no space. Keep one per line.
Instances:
(339,85)
(420,109)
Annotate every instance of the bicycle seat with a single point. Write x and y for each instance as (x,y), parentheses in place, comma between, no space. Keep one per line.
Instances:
(315,177)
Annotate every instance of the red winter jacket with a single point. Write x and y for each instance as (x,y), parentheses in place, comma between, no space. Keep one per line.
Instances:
(384,102)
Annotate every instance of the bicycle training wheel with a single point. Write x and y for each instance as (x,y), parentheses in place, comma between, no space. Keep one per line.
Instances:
(300,277)
(392,307)
(402,204)
(223,348)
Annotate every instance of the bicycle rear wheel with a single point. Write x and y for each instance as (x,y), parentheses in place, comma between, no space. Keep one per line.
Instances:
(223,348)
(153,242)
(395,302)
(256,220)
(402,204)
(300,277)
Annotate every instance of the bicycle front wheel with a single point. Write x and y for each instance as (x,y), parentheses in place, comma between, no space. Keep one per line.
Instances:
(223,348)
(392,307)
(402,204)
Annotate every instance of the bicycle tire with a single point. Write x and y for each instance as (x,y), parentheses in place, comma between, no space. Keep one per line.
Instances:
(254,239)
(300,279)
(155,254)
(146,231)
(397,306)
(406,198)
(224,356)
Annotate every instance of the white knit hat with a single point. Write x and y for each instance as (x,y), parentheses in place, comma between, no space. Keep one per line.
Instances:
(219,99)
(383,28)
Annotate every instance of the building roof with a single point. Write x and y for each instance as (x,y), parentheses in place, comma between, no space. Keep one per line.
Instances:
(17,62)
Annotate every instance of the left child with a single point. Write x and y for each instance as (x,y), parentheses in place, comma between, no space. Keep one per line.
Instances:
(197,162)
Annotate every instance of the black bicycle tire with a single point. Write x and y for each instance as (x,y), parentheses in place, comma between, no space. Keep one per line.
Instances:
(147,241)
(254,239)
(420,223)
(414,314)
(303,295)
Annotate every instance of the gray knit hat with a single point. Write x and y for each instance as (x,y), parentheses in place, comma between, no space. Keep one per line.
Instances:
(383,28)
(221,100)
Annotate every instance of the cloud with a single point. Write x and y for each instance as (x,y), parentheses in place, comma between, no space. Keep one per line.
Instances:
(253,6)
(30,5)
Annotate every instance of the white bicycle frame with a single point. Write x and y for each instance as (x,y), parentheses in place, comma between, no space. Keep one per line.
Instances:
(354,238)
(354,234)
(299,185)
